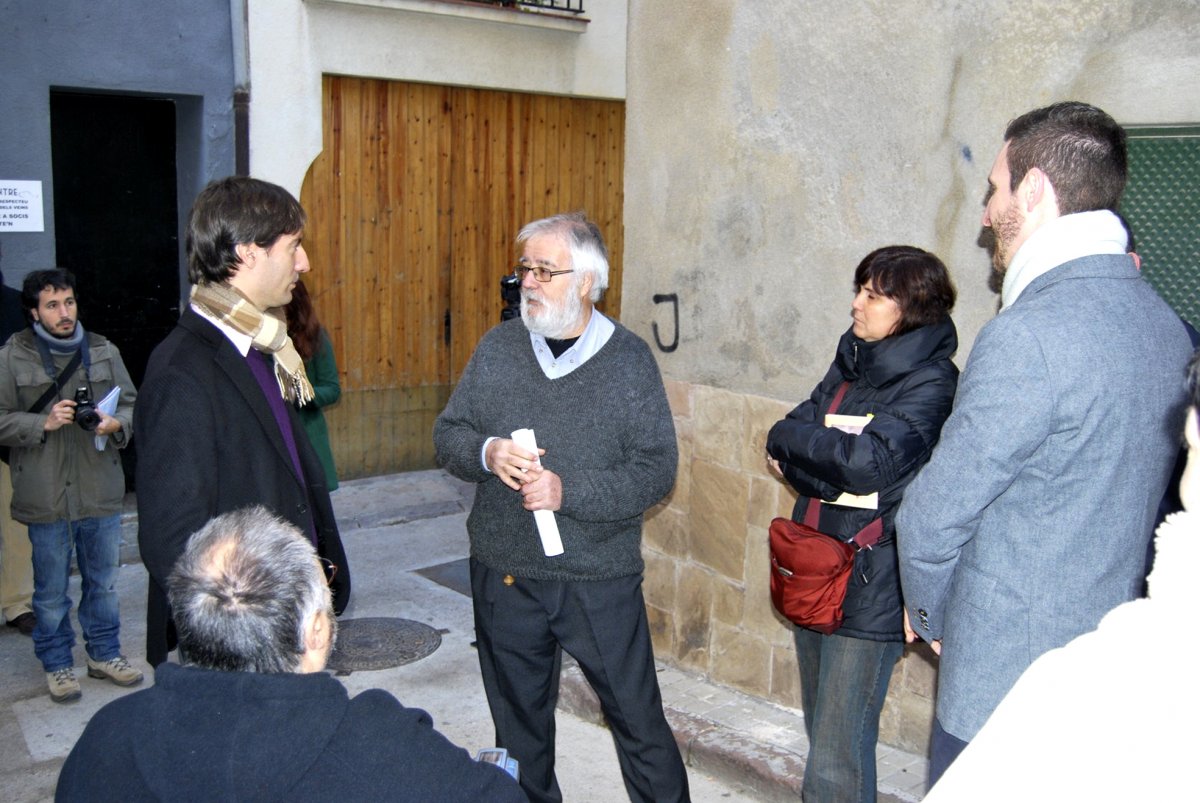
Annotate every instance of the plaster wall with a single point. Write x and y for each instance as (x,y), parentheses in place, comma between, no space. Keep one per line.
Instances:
(769,146)
(294,42)
(162,48)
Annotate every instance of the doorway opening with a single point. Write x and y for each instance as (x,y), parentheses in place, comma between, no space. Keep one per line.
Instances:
(116,217)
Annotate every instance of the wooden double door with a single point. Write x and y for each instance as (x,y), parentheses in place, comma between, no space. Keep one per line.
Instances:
(413,206)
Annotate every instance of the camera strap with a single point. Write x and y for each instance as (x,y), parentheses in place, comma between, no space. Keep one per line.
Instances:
(62,378)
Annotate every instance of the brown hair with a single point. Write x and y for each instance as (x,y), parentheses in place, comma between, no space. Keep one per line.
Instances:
(232,211)
(1080,148)
(304,328)
(914,278)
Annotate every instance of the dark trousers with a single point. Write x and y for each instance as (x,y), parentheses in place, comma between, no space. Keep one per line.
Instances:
(943,749)
(521,630)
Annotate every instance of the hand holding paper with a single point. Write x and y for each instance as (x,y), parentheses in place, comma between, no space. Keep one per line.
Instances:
(108,406)
(853,424)
(546,523)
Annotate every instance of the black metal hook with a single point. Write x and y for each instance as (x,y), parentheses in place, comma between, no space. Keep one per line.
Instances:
(674,299)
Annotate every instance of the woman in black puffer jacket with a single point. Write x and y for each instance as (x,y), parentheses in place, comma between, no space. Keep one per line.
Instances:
(896,357)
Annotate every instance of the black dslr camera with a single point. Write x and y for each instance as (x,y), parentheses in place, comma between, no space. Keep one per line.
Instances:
(510,294)
(86,415)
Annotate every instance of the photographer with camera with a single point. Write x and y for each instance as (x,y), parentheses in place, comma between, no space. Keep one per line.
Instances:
(68,484)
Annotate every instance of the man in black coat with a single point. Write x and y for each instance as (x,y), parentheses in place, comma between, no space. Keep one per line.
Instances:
(252,716)
(216,422)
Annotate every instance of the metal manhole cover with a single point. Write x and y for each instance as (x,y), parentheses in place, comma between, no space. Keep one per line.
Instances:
(380,643)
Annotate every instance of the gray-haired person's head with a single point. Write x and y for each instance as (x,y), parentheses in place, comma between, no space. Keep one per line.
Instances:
(582,237)
(244,592)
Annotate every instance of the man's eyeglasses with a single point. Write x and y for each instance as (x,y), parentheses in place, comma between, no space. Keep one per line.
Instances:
(330,569)
(540,273)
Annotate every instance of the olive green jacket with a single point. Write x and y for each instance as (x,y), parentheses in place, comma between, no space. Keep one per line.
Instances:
(61,475)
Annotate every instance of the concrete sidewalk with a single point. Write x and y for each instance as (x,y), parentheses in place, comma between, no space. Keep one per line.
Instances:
(406,540)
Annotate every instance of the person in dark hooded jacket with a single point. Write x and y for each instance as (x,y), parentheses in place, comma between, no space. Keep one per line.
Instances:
(896,359)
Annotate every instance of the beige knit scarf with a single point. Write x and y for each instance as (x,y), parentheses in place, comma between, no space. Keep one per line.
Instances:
(267,330)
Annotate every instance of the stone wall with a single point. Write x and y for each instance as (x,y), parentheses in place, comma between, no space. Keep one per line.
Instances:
(769,146)
(707,578)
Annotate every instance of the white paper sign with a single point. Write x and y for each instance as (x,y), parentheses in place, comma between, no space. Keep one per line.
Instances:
(21,206)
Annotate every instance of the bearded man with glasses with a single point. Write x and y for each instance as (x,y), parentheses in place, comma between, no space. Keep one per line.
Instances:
(605,453)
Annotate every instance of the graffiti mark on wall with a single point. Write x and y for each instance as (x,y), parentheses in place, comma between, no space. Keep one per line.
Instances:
(660,298)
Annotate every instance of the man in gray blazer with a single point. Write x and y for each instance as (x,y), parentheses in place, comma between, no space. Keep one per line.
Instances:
(1031,520)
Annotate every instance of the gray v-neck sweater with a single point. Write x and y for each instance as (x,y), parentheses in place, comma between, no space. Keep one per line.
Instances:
(608,434)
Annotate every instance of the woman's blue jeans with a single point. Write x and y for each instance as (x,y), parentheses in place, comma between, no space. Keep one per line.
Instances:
(843,682)
(97,544)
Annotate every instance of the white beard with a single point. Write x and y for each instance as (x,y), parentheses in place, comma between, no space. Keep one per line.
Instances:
(553,320)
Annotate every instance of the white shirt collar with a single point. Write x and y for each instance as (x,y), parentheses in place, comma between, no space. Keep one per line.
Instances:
(240,341)
(597,332)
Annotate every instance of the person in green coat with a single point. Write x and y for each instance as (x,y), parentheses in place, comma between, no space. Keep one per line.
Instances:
(316,349)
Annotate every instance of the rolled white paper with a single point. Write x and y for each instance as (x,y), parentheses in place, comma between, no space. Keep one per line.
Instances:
(544,519)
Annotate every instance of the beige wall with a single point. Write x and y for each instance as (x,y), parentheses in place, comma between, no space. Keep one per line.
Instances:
(769,147)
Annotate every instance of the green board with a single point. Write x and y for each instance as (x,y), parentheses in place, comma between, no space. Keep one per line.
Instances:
(1162,205)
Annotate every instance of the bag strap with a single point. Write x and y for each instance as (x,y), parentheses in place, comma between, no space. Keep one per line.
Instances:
(837,398)
(868,536)
(813,513)
(59,382)
(865,538)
